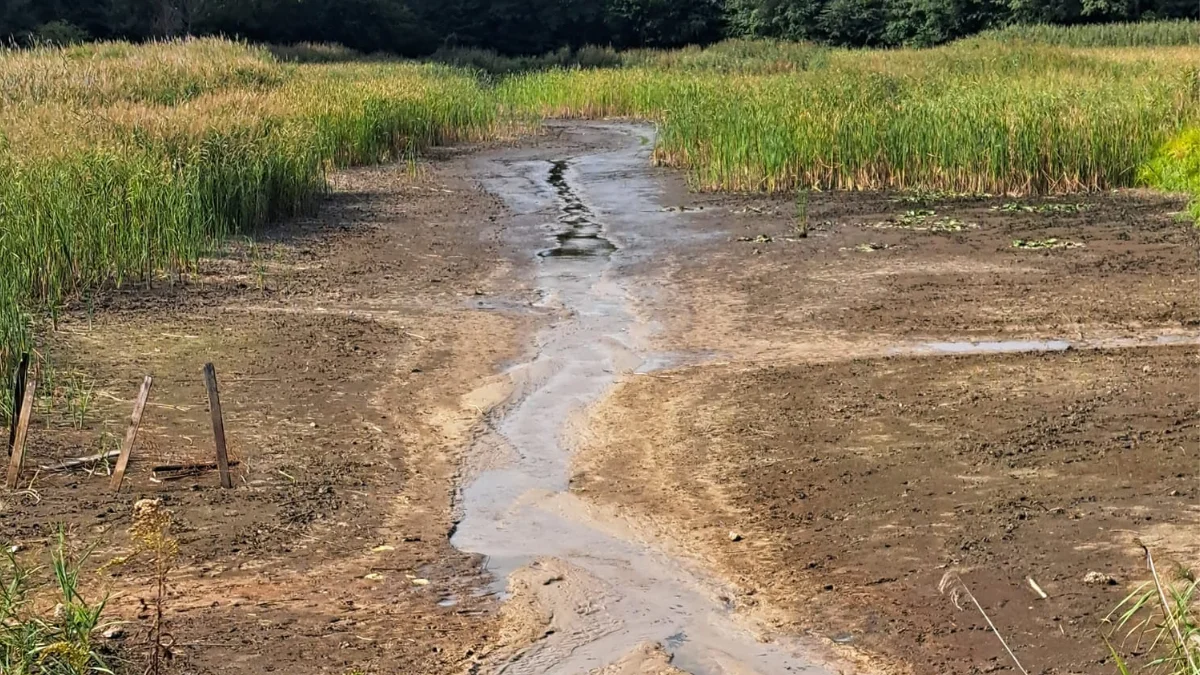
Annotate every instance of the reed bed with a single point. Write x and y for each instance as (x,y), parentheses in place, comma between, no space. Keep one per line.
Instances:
(118,163)
(1138,34)
(976,116)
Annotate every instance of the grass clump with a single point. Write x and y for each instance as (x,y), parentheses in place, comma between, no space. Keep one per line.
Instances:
(47,626)
(1160,616)
(1176,168)
(801,225)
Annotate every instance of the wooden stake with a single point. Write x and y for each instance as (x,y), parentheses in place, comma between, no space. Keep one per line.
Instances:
(22,427)
(18,395)
(135,422)
(218,424)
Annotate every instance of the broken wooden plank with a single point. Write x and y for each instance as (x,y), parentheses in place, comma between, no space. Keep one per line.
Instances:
(218,424)
(18,396)
(135,422)
(181,471)
(22,426)
(76,462)
(199,466)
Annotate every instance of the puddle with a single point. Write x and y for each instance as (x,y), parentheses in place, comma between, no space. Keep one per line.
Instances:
(997,347)
(615,591)
(1056,345)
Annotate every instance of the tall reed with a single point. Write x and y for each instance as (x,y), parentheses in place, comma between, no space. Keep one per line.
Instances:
(119,162)
(1140,34)
(976,116)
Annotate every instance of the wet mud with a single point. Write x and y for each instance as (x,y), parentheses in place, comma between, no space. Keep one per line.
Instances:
(604,591)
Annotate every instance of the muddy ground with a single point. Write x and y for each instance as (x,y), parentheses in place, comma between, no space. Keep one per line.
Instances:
(802,445)
(856,466)
(343,344)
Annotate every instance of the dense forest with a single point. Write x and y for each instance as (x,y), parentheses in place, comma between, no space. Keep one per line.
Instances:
(417,27)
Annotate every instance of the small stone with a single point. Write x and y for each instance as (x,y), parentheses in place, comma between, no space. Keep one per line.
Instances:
(734,536)
(114,633)
(1098,579)
(312,425)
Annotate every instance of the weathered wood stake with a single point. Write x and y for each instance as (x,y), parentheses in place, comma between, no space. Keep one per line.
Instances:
(22,427)
(18,395)
(135,422)
(218,424)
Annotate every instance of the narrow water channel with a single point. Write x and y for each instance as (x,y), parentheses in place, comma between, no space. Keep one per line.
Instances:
(596,212)
(580,234)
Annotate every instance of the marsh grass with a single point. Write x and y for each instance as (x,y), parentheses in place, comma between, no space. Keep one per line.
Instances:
(120,162)
(1140,34)
(977,117)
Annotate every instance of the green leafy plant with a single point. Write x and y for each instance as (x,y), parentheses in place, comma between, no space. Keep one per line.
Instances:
(922,220)
(915,216)
(1019,207)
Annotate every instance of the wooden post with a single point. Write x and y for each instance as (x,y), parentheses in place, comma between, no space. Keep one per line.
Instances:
(135,422)
(218,424)
(18,396)
(22,426)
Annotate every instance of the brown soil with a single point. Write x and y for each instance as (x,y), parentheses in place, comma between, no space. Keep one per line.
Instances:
(344,344)
(836,485)
(788,298)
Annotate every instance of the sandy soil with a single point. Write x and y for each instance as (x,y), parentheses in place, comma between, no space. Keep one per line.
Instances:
(837,483)
(344,344)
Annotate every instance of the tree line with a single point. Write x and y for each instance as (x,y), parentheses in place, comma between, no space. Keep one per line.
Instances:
(420,27)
